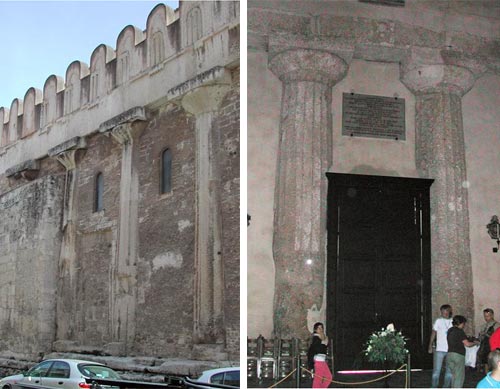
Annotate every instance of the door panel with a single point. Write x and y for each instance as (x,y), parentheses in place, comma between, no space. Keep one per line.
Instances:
(376,256)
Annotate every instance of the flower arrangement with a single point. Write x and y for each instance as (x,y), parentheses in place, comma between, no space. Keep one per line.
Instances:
(386,346)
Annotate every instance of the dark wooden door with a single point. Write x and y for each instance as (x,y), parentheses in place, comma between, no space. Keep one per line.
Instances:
(378,264)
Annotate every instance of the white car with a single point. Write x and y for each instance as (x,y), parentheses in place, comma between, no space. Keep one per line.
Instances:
(61,373)
(224,376)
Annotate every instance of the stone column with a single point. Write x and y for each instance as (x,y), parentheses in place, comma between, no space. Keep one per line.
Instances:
(66,154)
(203,102)
(124,272)
(304,156)
(440,154)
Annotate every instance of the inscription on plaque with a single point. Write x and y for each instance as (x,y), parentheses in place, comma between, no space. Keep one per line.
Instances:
(373,116)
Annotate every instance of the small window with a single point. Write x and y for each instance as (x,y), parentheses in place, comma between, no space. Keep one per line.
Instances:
(166,171)
(39,370)
(232,378)
(59,369)
(217,378)
(99,190)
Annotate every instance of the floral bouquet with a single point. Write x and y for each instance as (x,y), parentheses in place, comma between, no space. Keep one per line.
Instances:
(386,346)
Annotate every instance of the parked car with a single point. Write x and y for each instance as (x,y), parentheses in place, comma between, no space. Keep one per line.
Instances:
(224,376)
(61,373)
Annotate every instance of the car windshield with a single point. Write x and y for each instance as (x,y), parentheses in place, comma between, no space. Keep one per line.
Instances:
(98,371)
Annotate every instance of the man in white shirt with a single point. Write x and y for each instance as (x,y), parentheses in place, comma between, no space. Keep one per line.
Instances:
(439,332)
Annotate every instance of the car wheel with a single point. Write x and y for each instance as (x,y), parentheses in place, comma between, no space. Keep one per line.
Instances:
(6,386)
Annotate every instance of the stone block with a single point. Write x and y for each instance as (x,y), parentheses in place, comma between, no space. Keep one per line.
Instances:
(118,349)
(209,352)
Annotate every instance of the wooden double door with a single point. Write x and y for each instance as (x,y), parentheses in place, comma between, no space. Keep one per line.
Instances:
(378,265)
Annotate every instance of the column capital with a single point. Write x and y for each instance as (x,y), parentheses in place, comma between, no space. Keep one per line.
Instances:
(438,77)
(65,152)
(28,170)
(122,133)
(308,65)
(125,133)
(204,99)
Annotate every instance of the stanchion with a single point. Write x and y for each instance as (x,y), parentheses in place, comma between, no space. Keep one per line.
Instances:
(299,372)
(408,372)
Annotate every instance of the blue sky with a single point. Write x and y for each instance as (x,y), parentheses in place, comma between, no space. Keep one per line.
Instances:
(40,38)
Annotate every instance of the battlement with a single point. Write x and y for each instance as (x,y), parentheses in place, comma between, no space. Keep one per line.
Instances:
(169,34)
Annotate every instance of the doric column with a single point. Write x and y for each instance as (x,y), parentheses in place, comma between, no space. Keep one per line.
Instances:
(304,156)
(203,102)
(440,154)
(66,154)
(126,130)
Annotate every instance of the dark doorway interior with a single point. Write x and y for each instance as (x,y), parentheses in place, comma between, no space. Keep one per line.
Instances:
(378,264)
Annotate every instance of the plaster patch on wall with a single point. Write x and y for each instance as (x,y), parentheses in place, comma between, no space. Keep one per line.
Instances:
(170,259)
(183,224)
(187,169)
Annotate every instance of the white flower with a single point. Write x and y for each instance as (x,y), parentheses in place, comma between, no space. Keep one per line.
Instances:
(390,327)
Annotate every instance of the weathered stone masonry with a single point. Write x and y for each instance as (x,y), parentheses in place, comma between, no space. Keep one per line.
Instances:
(310,47)
(151,273)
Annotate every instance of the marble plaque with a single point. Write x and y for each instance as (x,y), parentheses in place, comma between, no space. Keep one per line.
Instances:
(373,116)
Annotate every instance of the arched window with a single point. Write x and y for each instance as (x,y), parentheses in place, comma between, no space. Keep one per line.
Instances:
(99,191)
(166,171)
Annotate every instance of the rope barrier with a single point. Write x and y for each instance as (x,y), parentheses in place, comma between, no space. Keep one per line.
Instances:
(284,379)
(345,383)
(362,382)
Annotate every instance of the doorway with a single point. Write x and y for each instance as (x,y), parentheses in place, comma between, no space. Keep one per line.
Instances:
(378,264)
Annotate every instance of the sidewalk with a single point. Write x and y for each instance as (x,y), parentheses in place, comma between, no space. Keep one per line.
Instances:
(419,379)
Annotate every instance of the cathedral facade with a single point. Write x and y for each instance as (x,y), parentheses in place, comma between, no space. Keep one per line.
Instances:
(370,196)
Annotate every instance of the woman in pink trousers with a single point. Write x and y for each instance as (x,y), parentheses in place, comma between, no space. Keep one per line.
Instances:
(316,356)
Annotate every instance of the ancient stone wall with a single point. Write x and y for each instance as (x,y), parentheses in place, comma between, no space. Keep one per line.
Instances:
(29,252)
(228,146)
(167,243)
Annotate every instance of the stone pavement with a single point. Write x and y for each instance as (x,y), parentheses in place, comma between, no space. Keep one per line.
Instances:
(419,379)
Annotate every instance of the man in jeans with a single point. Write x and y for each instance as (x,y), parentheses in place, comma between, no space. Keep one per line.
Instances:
(439,332)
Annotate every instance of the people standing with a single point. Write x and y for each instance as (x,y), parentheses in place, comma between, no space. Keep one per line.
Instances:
(485,333)
(495,340)
(492,379)
(316,356)
(455,359)
(439,331)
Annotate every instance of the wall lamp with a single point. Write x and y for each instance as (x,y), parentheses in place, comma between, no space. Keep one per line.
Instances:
(494,231)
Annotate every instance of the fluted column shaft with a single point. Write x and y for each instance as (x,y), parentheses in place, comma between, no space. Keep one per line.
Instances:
(440,154)
(123,292)
(305,154)
(204,103)
(67,315)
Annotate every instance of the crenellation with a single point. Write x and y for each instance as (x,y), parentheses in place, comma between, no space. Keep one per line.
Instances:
(168,32)
(76,71)
(128,54)
(16,109)
(156,28)
(31,117)
(49,111)
(100,76)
